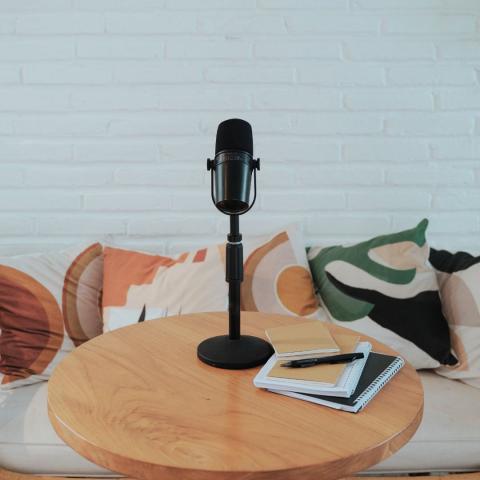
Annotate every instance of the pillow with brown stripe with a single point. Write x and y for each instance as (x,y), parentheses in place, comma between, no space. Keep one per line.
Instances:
(141,286)
(49,303)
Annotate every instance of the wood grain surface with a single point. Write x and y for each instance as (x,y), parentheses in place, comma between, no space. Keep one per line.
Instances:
(138,401)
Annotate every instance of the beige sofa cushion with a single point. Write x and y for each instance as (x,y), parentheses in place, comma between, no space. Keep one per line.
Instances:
(28,442)
(448,439)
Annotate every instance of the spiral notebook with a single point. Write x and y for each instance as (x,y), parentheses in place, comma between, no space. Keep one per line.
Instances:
(379,370)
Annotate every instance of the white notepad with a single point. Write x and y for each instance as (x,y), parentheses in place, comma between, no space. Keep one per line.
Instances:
(344,387)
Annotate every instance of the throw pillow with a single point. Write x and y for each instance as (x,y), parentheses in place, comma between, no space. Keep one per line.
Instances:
(49,303)
(459,279)
(384,288)
(140,286)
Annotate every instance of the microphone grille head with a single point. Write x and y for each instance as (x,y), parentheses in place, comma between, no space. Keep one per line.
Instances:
(234,134)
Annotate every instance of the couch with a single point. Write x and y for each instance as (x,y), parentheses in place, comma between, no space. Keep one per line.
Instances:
(448,439)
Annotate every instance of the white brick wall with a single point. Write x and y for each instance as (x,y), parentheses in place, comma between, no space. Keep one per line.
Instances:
(365,114)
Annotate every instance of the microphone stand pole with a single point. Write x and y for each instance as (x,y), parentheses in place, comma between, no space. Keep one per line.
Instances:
(234,276)
(234,351)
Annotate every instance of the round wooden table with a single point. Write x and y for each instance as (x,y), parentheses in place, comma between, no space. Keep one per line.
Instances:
(139,402)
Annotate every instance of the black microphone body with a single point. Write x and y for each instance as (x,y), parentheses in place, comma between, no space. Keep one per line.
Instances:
(233,166)
(233,175)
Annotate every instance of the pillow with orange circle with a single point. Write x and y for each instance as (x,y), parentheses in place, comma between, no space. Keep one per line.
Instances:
(140,286)
(49,304)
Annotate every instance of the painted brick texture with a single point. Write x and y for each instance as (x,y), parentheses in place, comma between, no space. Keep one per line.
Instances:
(365,115)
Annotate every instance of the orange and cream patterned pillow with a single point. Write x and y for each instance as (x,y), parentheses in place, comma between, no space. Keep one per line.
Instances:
(140,286)
(49,303)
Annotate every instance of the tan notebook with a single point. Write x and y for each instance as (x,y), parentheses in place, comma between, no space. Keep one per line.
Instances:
(328,374)
(306,338)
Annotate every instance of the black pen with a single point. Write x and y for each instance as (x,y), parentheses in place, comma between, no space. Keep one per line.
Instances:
(332,359)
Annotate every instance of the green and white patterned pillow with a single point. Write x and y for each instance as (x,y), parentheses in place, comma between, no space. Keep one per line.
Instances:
(385,288)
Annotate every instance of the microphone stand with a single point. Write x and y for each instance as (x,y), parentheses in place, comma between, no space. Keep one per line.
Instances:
(234,351)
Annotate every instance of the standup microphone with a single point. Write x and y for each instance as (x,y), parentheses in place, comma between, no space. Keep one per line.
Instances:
(231,173)
(233,166)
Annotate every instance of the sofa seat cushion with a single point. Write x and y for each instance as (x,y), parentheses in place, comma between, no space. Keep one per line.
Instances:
(28,443)
(449,436)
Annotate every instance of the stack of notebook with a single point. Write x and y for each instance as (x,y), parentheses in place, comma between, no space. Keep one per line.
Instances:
(344,386)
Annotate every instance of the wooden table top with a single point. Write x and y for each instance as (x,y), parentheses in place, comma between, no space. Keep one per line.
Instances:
(138,401)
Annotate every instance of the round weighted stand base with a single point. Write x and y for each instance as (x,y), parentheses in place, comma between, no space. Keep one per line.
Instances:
(245,352)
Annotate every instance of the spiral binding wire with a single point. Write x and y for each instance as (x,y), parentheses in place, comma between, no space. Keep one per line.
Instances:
(380,382)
